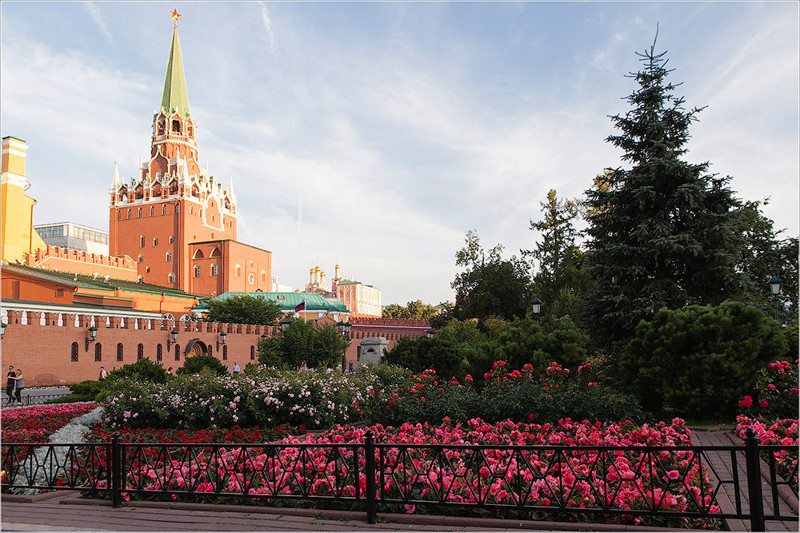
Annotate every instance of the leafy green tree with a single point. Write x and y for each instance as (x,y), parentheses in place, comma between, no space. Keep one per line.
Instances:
(560,279)
(662,232)
(303,342)
(243,309)
(764,255)
(555,340)
(198,363)
(413,310)
(489,287)
(698,361)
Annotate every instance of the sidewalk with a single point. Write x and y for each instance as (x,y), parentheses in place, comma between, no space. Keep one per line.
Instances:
(721,466)
(67,512)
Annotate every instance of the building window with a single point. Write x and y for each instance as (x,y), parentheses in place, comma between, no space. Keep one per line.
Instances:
(141,279)
(59,293)
(171,239)
(141,238)
(98,351)
(177,352)
(140,212)
(129,214)
(172,277)
(152,210)
(74,357)
(263,276)
(147,270)
(238,271)
(176,126)
(196,271)
(159,353)
(164,209)
(155,241)
(140,352)
(214,269)
(119,351)
(169,257)
(119,215)
(252,353)
(141,258)
(224,352)
(177,209)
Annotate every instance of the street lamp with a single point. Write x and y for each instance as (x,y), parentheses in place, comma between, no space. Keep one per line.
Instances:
(775,289)
(285,324)
(430,333)
(174,335)
(264,336)
(222,336)
(536,304)
(344,329)
(88,340)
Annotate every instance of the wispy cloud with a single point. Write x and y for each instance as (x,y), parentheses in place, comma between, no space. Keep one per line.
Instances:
(268,27)
(97,18)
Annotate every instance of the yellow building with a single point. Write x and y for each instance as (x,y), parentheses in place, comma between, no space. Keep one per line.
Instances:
(18,235)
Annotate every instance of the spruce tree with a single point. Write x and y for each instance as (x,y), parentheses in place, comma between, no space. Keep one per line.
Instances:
(661,233)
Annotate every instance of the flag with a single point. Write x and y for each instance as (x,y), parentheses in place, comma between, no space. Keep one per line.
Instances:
(301,306)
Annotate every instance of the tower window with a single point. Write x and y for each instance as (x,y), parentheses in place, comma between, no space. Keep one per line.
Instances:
(196,271)
(238,270)
(119,351)
(172,277)
(152,210)
(147,270)
(214,269)
(140,212)
(169,257)
(164,209)
(171,239)
(155,241)
(129,214)
(141,238)
(176,126)
(119,215)
(74,355)
(98,351)
(141,279)
(140,352)
(177,209)
(141,258)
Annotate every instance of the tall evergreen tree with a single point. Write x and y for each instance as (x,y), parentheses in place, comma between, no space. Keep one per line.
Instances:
(662,232)
(559,279)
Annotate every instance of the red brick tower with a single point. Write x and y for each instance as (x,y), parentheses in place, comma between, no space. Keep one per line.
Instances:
(173,203)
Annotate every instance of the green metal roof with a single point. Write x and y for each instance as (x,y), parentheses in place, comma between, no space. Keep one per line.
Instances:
(86,282)
(287,301)
(175,97)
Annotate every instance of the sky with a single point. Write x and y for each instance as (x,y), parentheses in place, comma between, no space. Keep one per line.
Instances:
(375,135)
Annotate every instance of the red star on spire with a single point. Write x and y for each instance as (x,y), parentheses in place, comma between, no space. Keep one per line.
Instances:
(175,15)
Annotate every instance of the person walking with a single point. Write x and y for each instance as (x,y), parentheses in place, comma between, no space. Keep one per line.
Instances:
(236,368)
(20,383)
(11,382)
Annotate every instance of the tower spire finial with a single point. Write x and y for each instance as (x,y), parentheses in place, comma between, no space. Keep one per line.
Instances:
(175,15)
(175,99)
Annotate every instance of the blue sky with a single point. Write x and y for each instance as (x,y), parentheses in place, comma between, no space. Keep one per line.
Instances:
(376,134)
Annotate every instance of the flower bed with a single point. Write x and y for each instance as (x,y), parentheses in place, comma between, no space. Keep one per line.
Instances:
(416,469)
(782,432)
(37,423)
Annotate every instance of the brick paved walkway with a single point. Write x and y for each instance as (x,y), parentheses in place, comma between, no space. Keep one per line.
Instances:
(720,463)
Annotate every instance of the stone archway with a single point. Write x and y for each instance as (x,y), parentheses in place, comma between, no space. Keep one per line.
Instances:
(195,347)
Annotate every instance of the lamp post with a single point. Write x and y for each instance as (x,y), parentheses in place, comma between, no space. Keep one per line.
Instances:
(536,304)
(88,340)
(344,329)
(775,289)
(430,333)
(222,336)
(174,337)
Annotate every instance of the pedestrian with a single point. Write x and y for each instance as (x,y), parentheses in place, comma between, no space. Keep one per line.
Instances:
(11,382)
(20,383)
(235,368)
(103,373)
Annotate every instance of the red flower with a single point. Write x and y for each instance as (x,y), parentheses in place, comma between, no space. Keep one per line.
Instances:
(763,403)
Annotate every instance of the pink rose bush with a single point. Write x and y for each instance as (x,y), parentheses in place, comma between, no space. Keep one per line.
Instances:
(776,393)
(783,433)
(423,463)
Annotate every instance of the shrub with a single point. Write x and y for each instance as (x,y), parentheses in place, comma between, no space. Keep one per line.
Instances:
(198,363)
(696,362)
(775,395)
(141,370)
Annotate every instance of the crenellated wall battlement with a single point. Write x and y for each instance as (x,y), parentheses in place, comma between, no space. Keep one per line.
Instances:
(82,262)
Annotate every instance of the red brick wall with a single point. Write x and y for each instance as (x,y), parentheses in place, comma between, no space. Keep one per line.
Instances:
(43,350)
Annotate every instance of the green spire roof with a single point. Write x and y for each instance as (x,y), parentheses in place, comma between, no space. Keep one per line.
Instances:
(175,97)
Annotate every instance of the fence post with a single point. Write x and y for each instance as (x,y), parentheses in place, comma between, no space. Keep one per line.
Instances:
(116,493)
(369,451)
(754,480)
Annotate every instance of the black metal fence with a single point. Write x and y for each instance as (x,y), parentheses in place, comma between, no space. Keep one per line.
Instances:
(31,399)
(678,482)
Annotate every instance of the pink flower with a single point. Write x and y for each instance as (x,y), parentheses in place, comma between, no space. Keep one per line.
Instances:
(673,474)
(771,386)
(747,401)
(410,509)
(764,403)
